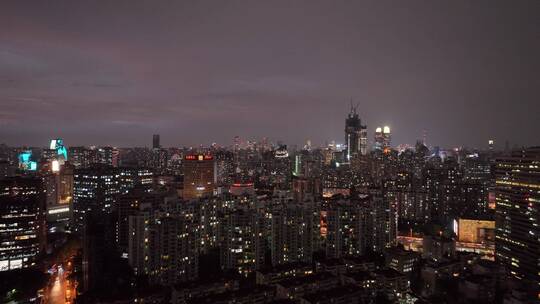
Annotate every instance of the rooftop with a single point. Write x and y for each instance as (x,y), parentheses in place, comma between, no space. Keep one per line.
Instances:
(338,292)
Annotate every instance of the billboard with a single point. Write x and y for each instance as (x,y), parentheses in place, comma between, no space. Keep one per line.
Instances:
(58,145)
(26,161)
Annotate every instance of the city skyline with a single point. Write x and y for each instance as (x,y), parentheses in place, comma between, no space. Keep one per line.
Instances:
(197,73)
(276,144)
(291,152)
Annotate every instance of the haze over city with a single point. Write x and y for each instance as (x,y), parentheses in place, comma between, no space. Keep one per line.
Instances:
(270,152)
(197,72)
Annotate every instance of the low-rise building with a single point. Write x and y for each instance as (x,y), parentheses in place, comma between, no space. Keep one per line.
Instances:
(338,295)
(393,283)
(281,272)
(297,287)
(401,260)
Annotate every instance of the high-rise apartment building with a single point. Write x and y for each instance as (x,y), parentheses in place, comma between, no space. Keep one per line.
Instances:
(517,231)
(294,232)
(347,231)
(160,159)
(133,203)
(360,224)
(164,245)
(243,241)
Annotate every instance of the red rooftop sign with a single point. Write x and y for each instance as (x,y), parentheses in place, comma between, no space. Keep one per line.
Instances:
(199,157)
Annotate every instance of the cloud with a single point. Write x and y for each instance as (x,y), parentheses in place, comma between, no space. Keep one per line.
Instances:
(205,71)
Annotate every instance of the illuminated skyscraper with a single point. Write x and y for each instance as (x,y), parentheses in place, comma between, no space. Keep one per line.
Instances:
(59,185)
(517,231)
(382,138)
(355,135)
(96,190)
(82,157)
(22,222)
(159,159)
(199,176)
(105,155)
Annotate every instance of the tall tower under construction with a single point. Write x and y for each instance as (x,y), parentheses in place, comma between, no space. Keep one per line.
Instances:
(355,134)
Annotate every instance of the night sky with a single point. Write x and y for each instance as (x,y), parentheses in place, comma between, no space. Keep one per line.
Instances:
(197,72)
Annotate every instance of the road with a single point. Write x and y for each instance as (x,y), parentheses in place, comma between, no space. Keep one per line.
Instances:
(61,287)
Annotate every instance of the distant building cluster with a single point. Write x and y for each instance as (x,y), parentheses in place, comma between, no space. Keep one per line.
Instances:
(258,222)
